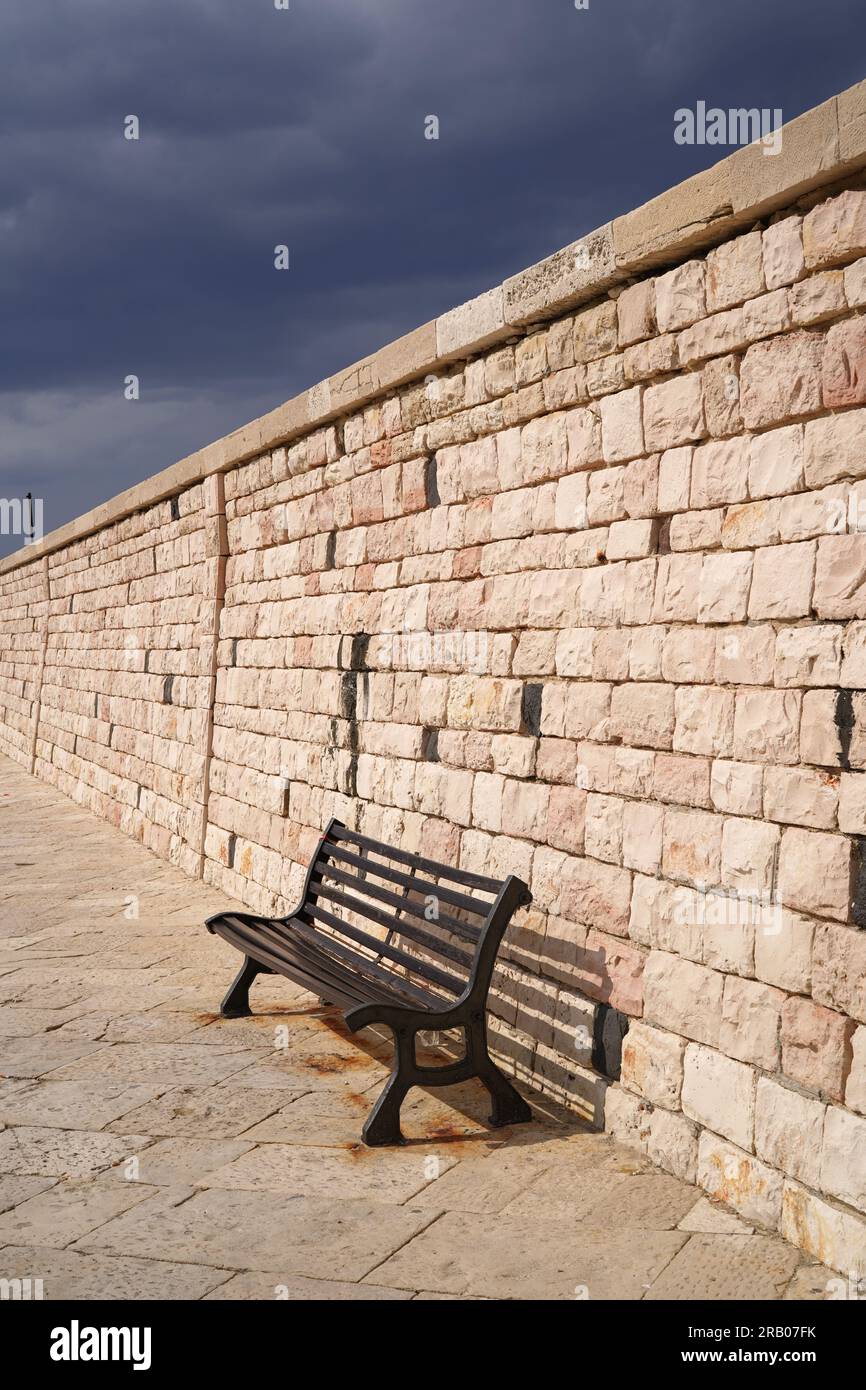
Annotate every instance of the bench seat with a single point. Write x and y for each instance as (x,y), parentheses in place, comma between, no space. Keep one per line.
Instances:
(391,938)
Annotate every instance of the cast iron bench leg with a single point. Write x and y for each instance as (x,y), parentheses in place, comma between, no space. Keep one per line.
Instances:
(509,1107)
(383,1122)
(237,1002)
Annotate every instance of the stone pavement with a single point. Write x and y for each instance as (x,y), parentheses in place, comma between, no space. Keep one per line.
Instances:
(149,1149)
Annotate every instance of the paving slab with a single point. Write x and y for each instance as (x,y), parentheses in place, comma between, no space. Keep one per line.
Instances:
(36,1056)
(329,1118)
(270,1287)
(643,1202)
(315,1237)
(257,1030)
(570,1191)
(488,1186)
(152,1026)
(214,1112)
(149,1148)
(23,1020)
(15,1189)
(299,1072)
(68,1210)
(335,1117)
(70,1275)
(64,1153)
(73,1104)
(392,1175)
(158,1064)
(727,1268)
(502,1256)
(816,1284)
(183,1162)
(710,1219)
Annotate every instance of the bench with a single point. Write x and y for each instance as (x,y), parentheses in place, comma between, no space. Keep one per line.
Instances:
(427,969)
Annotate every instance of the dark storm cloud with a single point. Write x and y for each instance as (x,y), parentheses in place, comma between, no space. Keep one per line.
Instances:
(305,127)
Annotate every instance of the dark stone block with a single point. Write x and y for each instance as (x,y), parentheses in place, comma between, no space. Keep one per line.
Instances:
(608,1030)
(531,708)
(844,717)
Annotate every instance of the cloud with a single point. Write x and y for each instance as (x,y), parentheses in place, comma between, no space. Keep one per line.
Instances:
(305,127)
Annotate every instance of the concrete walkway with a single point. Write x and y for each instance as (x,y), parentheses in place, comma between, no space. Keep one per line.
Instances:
(150,1150)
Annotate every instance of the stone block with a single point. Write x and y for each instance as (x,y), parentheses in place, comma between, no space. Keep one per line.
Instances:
(585,267)
(834,448)
(721,378)
(719,1093)
(635,310)
(735,272)
(683,997)
(621,425)
(784,260)
(750,1022)
(839,969)
(843,1158)
(652,1064)
(816,1047)
(780,379)
(801,796)
(855,1090)
(783,580)
(843,368)
(681,296)
(672,1144)
(835,231)
(840,577)
(673,412)
(730,1175)
(789,1129)
(783,952)
(815,873)
(776,461)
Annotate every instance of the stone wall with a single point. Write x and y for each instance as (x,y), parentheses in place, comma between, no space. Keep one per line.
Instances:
(587,605)
(23,618)
(126,688)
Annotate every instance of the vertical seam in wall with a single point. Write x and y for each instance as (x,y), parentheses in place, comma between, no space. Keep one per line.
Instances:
(215,530)
(40,676)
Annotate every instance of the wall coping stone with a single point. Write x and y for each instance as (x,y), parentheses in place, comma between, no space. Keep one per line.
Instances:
(818,148)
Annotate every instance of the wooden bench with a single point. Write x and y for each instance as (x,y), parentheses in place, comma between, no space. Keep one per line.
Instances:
(428,969)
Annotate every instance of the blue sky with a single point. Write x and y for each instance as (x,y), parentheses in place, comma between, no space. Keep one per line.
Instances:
(305,127)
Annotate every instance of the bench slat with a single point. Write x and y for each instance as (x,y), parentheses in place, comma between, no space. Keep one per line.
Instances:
(371,866)
(343,988)
(402,904)
(393,923)
(404,856)
(358,981)
(424,968)
(395,984)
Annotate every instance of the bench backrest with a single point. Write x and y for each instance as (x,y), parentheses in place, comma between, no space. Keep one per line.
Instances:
(436,927)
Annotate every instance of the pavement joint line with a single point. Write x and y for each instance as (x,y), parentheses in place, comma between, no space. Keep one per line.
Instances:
(668,1263)
(435,1216)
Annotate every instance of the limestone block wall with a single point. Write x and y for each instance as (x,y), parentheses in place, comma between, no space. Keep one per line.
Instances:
(125,697)
(590,609)
(575,588)
(23,620)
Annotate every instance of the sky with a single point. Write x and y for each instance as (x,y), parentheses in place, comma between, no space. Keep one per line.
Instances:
(304,127)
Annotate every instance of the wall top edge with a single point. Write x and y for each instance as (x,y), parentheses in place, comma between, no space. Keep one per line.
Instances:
(818,148)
